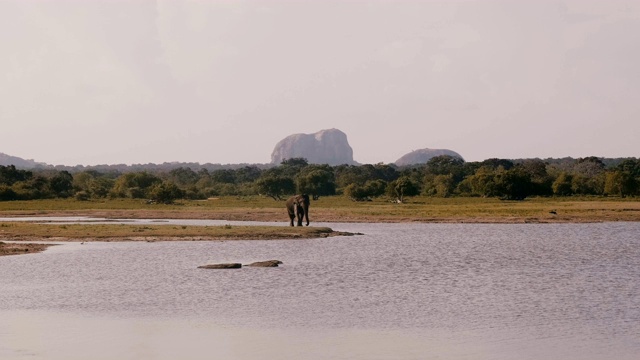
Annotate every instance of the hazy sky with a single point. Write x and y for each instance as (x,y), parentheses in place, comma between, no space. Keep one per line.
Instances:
(138,81)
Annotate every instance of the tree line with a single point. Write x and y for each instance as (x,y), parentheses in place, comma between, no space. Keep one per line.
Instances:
(441,176)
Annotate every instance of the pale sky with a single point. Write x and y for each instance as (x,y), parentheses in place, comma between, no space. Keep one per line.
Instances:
(138,81)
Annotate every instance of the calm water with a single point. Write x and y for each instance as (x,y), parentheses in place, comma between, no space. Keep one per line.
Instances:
(402,291)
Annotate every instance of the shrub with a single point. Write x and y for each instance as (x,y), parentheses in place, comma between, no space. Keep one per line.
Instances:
(166,192)
(82,196)
(6,193)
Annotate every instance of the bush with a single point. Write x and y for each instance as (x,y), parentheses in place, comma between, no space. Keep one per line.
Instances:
(166,192)
(402,187)
(562,185)
(355,192)
(82,196)
(375,188)
(6,193)
(513,184)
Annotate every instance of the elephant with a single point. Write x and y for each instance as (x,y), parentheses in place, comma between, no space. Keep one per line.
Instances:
(298,206)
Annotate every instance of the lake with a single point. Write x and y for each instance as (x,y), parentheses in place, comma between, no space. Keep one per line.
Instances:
(401,291)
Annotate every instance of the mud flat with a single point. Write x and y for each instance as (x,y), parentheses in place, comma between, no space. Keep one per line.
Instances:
(21,248)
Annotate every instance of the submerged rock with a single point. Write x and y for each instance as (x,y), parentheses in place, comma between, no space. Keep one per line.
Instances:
(221,266)
(268,263)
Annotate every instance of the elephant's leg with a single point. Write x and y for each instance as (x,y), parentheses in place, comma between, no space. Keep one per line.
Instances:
(291,217)
(300,215)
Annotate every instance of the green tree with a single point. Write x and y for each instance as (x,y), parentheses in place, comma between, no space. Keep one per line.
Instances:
(9,175)
(100,187)
(355,192)
(446,165)
(349,174)
(135,185)
(183,176)
(223,189)
(483,182)
(588,167)
(588,185)
(291,167)
(386,172)
(621,183)
(496,164)
(166,192)
(224,176)
(444,185)
(275,186)
(61,184)
(372,188)
(375,188)
(631,166)
(513,184)
(541,181)
(401,188)
(92,184)
(248,174)
(562,185)
(317,180)
(7,193)
(299,162)
(36,187)
(81,181)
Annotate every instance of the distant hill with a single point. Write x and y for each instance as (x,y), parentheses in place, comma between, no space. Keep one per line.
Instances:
(413,158)
(20,163)
(423,156)
(324,147)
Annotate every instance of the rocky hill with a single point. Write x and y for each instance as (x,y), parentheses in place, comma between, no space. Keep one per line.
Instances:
(324,147)
(423,155)
(20,163)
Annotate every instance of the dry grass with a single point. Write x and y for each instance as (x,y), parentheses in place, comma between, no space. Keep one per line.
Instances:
(121,232)
(340,209)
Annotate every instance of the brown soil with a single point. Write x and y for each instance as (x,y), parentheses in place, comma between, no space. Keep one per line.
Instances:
(21,248)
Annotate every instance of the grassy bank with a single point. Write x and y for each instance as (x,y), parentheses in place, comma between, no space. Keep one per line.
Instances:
(340,209)
(117,232)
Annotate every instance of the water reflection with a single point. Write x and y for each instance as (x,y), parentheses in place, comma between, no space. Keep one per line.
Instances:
(402,291)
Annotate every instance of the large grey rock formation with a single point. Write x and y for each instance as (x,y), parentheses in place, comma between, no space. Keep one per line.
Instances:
(422,156)
(324,147)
